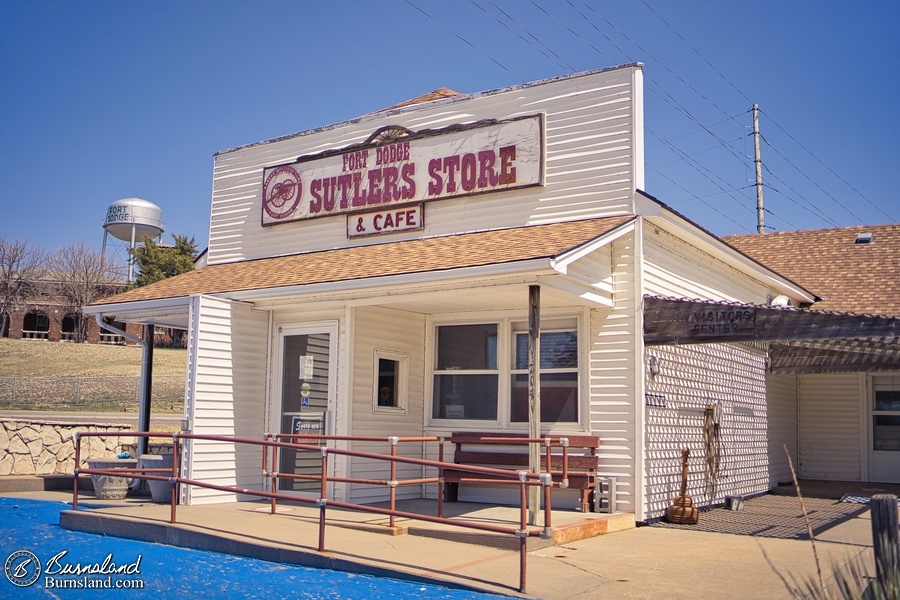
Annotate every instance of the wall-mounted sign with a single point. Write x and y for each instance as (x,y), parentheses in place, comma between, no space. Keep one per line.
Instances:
(655,400)
(308,424)
(391,220)
(405,169)
(723,322)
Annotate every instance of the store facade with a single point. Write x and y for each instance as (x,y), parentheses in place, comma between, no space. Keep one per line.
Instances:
(372,278)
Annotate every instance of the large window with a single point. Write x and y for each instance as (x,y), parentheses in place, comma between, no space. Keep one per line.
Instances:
(466,374)
(481,372)
(559,378)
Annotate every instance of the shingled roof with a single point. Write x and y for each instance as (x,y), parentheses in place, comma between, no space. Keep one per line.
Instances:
(379,260)
(850,276)
(438,94)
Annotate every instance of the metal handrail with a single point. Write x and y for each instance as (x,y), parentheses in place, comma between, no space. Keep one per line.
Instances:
(522,478)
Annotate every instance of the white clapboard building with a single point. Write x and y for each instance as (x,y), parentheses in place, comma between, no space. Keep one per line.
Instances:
(372,278)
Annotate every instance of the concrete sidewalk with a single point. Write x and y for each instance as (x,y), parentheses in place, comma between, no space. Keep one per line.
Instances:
(752,553)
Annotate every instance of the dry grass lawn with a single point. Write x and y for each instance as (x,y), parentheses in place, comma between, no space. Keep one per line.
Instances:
(32,358)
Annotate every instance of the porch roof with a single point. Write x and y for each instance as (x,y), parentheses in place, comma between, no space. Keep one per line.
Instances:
(799,340)
(496,247)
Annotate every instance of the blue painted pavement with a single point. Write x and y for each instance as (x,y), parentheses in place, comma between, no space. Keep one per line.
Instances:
(107,567)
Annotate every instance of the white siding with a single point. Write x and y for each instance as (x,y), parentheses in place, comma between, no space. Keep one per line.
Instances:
(677,269)
(730,378)
(229,388)
(830,426)
(398,331)
(596,270)
(590,147)
(611,376)
(781,391)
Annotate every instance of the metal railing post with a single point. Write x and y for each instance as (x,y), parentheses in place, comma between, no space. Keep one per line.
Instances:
(176,455)
(392,484)
(523,530)
(77,469)
(323,492)
(440,495)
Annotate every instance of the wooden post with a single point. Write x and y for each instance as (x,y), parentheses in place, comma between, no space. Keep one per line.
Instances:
(757,160)
(534,398)
(885,536)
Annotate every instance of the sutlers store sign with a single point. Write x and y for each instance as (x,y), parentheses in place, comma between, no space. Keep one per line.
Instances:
(397,167)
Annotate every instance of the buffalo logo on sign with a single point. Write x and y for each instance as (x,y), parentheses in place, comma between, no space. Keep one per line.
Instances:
(281,192)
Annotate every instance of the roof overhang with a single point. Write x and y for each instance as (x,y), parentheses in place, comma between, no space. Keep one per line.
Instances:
(165,312)
(656,212)
(801,340)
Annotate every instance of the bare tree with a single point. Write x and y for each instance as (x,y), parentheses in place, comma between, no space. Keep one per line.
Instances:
(22,267)
(82,276)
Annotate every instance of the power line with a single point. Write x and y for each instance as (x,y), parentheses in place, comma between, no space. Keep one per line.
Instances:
(809,204)
(468,43)
(694,154)
(823,190)
(697,52)
(692,196)
(519,35)
(658,61)
(696,131)
(733,86)
(698,167)
(561,62)
(808,151)
(572,31)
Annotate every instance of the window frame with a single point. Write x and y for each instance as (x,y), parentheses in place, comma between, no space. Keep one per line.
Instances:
(402,359)
(508,325)
(513,371)
(434,372)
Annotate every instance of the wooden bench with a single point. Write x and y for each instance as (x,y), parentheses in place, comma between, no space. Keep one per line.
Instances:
(581,469)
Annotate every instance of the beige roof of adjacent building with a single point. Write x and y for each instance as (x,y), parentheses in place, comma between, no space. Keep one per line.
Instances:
(379,260)
(849,276)
(438,94)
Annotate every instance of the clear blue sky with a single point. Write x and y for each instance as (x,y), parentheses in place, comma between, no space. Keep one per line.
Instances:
(103,100)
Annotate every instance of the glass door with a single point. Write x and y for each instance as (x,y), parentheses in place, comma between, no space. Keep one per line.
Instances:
(307,366)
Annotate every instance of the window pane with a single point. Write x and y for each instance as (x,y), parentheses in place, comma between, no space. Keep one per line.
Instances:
(388,376)
(467,347)
(887,432)
(465,397)
(559,398)
(887,400)
(559,350)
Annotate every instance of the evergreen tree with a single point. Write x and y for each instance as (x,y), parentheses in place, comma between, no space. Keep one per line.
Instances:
(155,262)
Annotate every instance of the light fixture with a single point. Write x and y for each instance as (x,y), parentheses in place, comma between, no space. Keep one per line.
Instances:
(781,301)
(654,366)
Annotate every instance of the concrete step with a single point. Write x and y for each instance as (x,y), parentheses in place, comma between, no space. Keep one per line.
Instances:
(590,526)
(42,483)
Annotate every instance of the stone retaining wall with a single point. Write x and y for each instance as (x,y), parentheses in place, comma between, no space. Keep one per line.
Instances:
(46,448)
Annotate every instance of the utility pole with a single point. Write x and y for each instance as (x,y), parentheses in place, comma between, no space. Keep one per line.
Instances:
(757,159)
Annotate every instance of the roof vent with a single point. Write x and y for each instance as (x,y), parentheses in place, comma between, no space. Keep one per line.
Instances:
(863,239)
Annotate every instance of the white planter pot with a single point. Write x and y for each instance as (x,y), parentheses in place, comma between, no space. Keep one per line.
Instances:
(160,491)
(109,487)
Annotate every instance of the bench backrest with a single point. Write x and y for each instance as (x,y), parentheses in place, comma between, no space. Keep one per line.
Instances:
(519,456)
(590,442)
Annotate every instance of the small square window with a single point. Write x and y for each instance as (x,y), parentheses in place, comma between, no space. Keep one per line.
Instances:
(390,381)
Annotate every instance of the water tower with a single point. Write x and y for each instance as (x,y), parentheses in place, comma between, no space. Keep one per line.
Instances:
(131,220)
